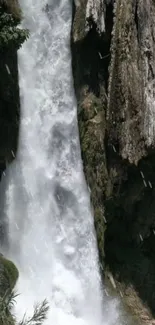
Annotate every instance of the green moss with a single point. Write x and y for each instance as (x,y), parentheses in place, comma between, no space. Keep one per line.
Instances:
(100,229)
(8,275)
(92,128)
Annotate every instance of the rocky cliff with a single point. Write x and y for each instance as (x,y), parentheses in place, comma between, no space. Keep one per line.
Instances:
(113,55)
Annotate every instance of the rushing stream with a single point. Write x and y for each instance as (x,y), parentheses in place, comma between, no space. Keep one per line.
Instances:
(50,223)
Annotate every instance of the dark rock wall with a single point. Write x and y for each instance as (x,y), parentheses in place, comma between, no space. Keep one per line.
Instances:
(131,106)
(90,86)
(9,106)
(113,68)
(9,93)
(9,88)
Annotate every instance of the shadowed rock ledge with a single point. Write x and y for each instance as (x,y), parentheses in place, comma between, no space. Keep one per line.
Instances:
(113,58)
(11,38)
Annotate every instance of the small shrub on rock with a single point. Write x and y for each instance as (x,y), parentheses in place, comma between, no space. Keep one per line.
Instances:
(10,34)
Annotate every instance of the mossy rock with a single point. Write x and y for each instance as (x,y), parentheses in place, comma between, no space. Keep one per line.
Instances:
(8,275)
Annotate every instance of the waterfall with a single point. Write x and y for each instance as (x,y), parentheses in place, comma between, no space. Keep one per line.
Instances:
(51,234)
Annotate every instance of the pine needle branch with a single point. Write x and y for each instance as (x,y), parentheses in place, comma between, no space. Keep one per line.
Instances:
(39,315)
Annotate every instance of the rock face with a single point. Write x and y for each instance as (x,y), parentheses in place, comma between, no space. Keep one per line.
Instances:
(9,106)
(113,53)
(89,43)
(95,12)
(131,105)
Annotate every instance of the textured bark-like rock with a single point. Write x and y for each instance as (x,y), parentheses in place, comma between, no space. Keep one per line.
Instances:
(130,128)
(89,43)
(95,11)
(116,125)
(89,13)
(131,104)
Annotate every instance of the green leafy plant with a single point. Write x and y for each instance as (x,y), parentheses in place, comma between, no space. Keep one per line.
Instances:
(10,34)
(6,304)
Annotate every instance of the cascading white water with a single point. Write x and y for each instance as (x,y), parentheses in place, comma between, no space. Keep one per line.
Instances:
(51,232)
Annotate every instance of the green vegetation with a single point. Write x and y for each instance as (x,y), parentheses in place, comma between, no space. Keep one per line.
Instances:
(7,318)
(10,34)
(91,120)
(39,315)
(8,277)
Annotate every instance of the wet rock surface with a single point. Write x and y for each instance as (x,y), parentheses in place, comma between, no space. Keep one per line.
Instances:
(9,107)
(113,68)
(9,88)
